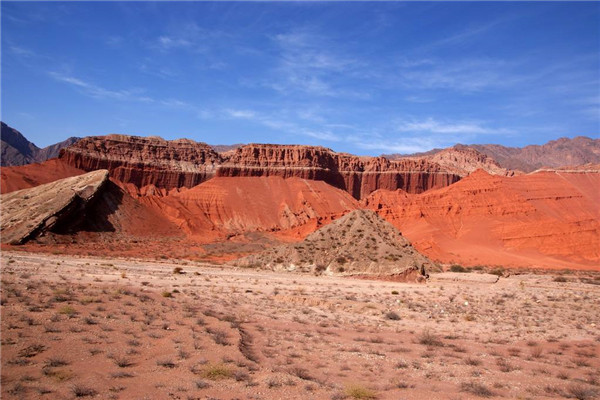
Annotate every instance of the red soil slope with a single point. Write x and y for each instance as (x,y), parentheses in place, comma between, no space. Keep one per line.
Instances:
(236,205)
(547,219)
(31,175)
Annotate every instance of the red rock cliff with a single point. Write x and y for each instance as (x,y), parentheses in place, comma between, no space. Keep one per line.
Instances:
(359,176)
(154,162)
(145,161)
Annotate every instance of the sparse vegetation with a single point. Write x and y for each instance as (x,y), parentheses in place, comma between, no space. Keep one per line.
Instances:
(458,268)
(286,342)
(360,392)
(217,371)
(476,389)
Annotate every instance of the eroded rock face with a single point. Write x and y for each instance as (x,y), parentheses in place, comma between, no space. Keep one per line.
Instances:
(359,176)
(464,160)
(144,162)
(549,218)
(157,166)
(30,212)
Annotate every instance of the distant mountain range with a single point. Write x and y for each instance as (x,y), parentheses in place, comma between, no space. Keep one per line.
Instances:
(17,150)
(556,153)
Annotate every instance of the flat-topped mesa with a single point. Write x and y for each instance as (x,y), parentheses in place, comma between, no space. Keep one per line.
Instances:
(359,176)
(153,162)
(145,161)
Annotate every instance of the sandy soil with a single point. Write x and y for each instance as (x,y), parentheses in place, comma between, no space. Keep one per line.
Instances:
(133,329)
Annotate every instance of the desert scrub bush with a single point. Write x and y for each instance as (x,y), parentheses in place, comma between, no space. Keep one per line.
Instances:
(32,350)
(83,391)
(56,362)
(123,362)
(581,392)
(301,373)
(67,310)
(457,268)
(217,371)
(178,270)
(560,279)
(219,336)
(166,293)
(472,361)
(167,363)
(428,338)
(476,388)
(395,292)
(200,384)
(359,392)
(391,315)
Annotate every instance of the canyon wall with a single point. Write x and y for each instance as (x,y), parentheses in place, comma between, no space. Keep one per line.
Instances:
(145,162)
(157,166)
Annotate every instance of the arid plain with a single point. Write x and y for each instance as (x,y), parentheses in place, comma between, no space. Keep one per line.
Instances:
(132,329)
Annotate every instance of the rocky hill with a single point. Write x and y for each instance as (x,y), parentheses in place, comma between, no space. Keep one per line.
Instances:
(359,243)
(549,218)
(167,165)
(17,150)
(554,154)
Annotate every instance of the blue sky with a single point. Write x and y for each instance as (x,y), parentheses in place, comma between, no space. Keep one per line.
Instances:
(364,78)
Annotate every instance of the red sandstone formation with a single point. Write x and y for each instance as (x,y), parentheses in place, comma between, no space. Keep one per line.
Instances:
(549,219)
(237,205)
(359,176)
(31,175)
(157,166)
(145,162)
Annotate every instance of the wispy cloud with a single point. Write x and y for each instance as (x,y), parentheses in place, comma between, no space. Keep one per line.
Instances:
(402,146)
(308,63)
(283,124)
(467,75)
(188,36)
(21,51)
(431,125)
(96,91)
(170,42)
(246,114)
(470,33)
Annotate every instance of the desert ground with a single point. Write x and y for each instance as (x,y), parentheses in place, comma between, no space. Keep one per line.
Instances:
(123,328)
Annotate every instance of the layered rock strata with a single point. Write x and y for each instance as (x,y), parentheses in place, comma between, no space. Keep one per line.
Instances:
(549,218)
(30,212)
(154,163)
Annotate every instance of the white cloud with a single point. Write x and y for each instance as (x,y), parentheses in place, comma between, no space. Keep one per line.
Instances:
(466,76)
(21,51)
(308,63)
(245,114)
(282,124)
(402,146)
(323,135)
(431,125)
(169,42)
(96,91)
